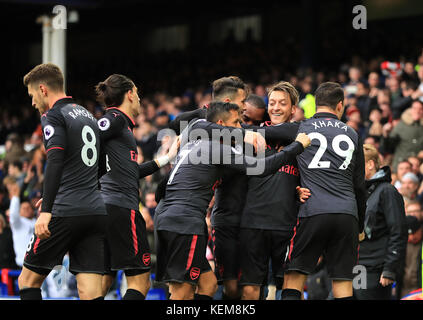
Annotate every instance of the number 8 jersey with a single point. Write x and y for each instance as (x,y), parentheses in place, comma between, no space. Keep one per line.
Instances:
(73,130)
(332,167)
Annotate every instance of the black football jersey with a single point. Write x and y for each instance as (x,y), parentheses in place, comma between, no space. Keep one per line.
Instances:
(119,186)
(332,167)
(72,128)
(198,170)
(271,201)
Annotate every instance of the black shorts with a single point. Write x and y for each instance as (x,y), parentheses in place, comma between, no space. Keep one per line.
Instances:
(258,247)
(335,236)
(127,245)
(82,236)
(226,252)
(180,257)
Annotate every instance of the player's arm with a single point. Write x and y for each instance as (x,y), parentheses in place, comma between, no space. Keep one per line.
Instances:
(359,185)
(55,145)
(268,165)
(212,128)
(161,188)
(283,133)
(216,132)
(393,209)
(186,117)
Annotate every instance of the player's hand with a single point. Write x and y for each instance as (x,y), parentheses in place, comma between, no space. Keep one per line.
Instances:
(38,204)
(41,225)
(173,150)
(304,139)
(361,236)
(385,281)
(303,194)
(255,139)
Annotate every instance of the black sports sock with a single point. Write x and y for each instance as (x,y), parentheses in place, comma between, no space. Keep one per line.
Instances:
(30,294)
(132,294)
(202,297)
(345,298)
(291,294)
(99,298)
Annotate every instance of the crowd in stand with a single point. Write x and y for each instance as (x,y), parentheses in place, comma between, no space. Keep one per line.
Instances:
(384,104)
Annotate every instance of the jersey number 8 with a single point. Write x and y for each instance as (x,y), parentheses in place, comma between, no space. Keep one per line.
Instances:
(88,145)
(336,146)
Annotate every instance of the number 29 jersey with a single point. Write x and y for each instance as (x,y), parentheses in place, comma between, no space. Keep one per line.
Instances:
(73,129)
(332,167)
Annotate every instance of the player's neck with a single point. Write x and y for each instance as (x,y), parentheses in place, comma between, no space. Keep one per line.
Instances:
(53,97)
(126,109)
(326,110)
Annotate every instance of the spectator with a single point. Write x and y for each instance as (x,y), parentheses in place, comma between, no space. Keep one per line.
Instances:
(22,220)
(415,166)
(7,253)
(412,270)
(146,136)
(383,249)
(375,127)
(403,167)
(374,84)
(363,100)
(14,149)
(409,186)
(150,203)
(354,74)
(15,171)
(406,138)
(409,93)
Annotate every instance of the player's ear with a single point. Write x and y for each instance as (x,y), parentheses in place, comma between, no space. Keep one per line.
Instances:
(43,89)
(130,95)
(219,122)
(340,108)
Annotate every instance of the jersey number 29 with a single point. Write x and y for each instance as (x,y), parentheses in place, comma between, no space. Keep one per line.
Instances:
(336,146)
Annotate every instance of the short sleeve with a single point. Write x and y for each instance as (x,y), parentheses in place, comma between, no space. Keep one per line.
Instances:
(111,125)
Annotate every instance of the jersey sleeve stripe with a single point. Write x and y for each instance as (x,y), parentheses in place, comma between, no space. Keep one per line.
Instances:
(60,148)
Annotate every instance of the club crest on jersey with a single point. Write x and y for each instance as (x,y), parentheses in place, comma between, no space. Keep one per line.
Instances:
(194,273)
(103,124)
(48,132)
(146,259)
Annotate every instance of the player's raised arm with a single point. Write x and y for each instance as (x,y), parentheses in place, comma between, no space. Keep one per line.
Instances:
(264,166)
(187,116)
